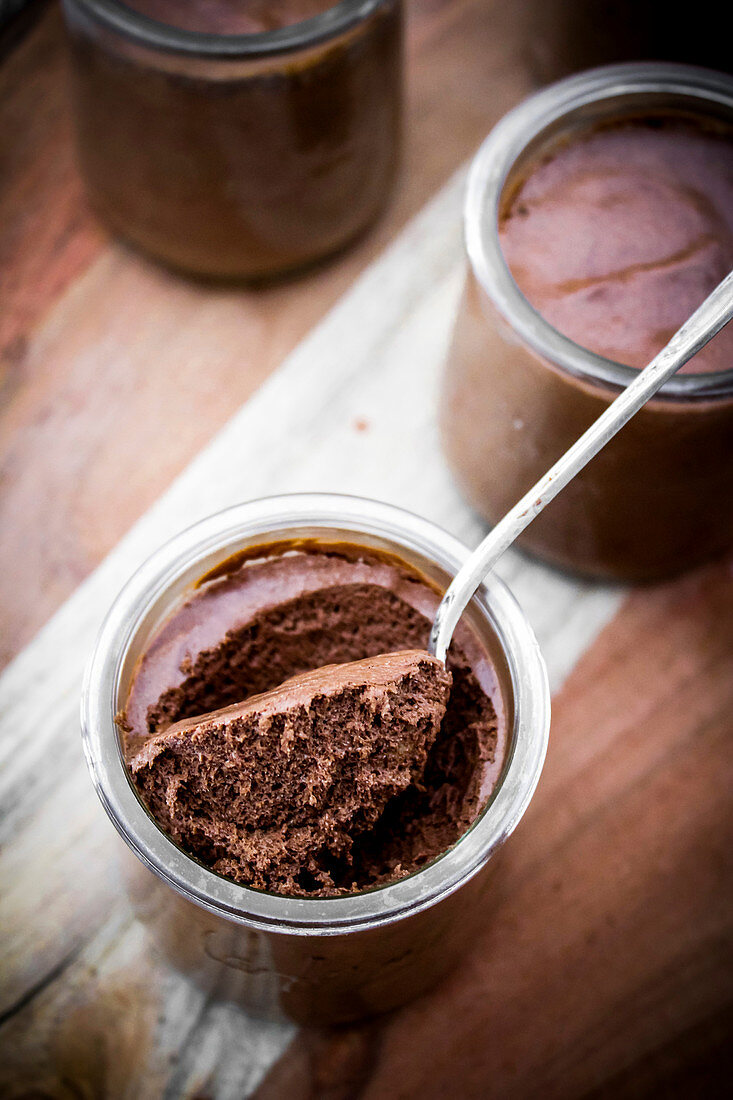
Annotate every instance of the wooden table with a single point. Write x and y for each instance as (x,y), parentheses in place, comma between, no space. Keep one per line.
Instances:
(607,970)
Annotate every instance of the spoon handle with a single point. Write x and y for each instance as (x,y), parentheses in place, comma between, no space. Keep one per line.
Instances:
(705,322)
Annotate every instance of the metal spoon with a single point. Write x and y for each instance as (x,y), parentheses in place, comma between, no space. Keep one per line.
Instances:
(705,322)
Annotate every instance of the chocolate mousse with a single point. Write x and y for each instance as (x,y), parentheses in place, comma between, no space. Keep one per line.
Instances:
(286,726)
(241,161)
(272,790)
(618,234)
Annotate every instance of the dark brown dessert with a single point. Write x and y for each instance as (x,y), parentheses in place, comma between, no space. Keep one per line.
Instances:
(272,790)
(614,234)
(245,164)
(408,794)
(617,236)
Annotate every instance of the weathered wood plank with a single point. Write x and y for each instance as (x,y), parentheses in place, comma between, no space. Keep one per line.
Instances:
(353,409)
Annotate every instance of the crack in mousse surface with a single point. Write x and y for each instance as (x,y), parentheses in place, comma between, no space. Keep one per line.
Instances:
(617,235)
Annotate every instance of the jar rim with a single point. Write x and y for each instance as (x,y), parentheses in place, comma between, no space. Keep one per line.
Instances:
(490,171)
(216,537)
(115,15)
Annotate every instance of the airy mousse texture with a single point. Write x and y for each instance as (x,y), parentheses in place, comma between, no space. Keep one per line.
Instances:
(312,782)
(618,234)
(230,16)
(270,789)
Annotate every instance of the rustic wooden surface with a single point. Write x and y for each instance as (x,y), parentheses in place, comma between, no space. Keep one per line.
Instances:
(608,971)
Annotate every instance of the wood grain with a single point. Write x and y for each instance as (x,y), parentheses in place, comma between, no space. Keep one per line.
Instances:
(114,373)
(609,968)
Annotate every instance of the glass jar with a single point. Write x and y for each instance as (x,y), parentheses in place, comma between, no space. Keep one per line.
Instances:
(237,156)
(517,393)
(316,960)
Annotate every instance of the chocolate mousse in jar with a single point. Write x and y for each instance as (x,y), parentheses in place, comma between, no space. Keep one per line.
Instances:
(231,608)
(237,138)
(599,215)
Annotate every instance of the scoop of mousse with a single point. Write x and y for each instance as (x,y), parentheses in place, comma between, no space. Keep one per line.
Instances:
(270,790)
